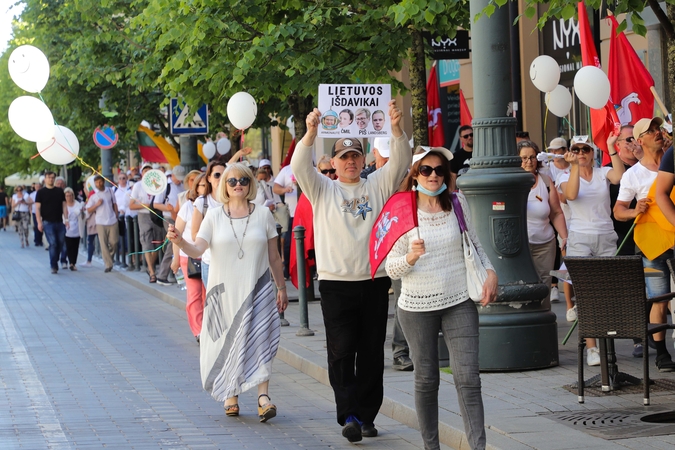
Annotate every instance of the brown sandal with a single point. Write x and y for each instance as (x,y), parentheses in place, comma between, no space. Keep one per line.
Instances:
(232,410)
(266,411)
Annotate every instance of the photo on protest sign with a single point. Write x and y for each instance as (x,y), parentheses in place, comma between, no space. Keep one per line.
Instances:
(354,110)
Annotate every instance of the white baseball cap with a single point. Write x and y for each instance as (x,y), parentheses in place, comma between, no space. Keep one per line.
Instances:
(382,146)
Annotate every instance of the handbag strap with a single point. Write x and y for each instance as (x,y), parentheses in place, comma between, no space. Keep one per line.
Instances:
(457,206)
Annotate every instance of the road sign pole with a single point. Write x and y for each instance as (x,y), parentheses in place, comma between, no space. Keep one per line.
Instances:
(188,153)
(106,165)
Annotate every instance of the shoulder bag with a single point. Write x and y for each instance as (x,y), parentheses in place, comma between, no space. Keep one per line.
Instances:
(194,265)
(475,272)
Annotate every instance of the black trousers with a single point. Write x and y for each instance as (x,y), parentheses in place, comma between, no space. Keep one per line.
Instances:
(72,246)
(355,317)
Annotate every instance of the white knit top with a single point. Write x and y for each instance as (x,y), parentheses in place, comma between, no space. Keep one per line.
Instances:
(438,279)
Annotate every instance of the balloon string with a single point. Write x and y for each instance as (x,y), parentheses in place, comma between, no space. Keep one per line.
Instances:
(570,125)
(545,120)
(85,164)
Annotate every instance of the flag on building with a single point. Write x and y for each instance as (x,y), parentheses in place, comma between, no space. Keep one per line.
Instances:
(155,148)
(629,80)
(398,216)
(436,133)
(605,120)
(464,112)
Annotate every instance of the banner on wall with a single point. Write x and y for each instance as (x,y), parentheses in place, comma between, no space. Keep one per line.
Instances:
(354,110)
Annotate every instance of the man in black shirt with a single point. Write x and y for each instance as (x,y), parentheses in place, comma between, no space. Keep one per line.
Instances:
(464,153)
(51,213)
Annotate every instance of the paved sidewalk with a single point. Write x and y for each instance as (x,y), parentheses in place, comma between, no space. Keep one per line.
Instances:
(516,403)
(89,361)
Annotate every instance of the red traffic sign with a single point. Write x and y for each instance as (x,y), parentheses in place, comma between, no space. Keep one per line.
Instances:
(105,137)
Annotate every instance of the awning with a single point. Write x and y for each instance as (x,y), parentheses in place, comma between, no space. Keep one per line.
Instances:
(22,180)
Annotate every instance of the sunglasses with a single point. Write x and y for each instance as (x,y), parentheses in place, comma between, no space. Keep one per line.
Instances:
(244,181)
(629,139)
(658,130)
(581,149)
(328,171)
(467,136)
(216,175)
(426,170)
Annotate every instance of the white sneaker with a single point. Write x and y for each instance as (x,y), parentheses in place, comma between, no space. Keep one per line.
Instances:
(593,356)
(555,295)
(572,314)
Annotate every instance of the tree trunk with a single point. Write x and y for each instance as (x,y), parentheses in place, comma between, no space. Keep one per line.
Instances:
(669,82)
(300,108)
(418,89)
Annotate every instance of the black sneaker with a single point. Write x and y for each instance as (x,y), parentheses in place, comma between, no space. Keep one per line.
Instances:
(637,350)
(352,430)
(54,270)
(368,430)
(403,363)
(163,282)
(664,363)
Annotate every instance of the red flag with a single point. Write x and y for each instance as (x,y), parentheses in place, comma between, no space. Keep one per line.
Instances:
(464,112)
(289,155)
(605,120)
(398,216)
(436,134)
(304,215)
(629,80)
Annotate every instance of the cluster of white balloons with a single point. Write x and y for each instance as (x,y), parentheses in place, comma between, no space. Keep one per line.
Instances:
(591,85)
(30,117)
(222,147)
(242,111)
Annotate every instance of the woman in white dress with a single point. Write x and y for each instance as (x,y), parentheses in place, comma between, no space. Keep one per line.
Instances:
(240,328)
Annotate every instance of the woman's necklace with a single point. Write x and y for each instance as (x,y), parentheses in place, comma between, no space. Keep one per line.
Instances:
(240,255)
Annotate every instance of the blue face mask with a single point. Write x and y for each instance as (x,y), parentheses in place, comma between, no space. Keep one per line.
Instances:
(420,188)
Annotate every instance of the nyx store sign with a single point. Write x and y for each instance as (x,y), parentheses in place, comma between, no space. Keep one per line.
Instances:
(562,43)
(445,48)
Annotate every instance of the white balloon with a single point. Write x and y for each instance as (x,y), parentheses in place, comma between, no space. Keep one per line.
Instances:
(545,73)
(31,119)
(29,68)
(592,87)
(242,110)
(223,145)
(61,149)
(209,150)
(559,101)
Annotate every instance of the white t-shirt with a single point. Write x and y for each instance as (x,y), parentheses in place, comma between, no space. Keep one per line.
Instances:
(185,213)
(105,213)
(139,194)
(172,199)
(21,207)
(32,197)
(122,198)
(635,183)
(539,229)
(199,206)
(286,179)
(590,211)
(74,211)
(555,172)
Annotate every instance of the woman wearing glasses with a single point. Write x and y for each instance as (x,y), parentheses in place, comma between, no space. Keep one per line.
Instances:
(21,203)
(196,292)
(240,331)
(543,209)
(429,260)
(207,200)
(586,190)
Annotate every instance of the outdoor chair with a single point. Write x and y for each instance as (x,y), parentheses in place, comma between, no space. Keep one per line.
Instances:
(612,304)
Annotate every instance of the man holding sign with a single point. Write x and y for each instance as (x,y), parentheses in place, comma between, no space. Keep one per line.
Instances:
(354,305)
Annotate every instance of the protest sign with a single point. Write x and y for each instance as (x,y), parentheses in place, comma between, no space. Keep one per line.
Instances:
(354,110)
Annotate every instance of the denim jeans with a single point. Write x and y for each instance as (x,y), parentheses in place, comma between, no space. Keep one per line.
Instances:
(37,234)
(91,246)
(56,236)
(205,275)
(459,325)
(658,285)
(355,317)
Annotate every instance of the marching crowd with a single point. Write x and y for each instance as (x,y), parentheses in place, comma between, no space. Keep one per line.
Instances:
(222,224)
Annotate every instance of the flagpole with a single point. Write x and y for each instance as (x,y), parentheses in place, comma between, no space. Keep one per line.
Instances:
(658,100)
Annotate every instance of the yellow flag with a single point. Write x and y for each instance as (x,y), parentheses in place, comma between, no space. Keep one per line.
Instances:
(654,234)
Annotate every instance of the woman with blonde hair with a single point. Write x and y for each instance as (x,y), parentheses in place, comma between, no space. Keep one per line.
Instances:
(240,329)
